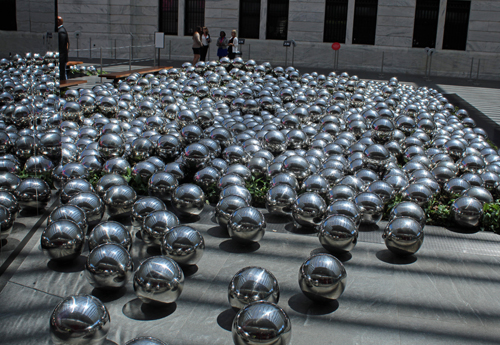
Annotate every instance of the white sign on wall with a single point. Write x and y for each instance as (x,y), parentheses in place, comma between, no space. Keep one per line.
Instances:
(159,40)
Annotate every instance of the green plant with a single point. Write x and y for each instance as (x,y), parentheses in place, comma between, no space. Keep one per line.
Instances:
(492,144)
(390,205)
(95,176)
(491,217)
(46,176)
(258,187)
(212,194)
(438,209)
(137,182)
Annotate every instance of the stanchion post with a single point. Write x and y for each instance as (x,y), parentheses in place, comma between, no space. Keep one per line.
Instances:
(169,50)
(130,58)
(286,56)
(249,51)
(382,66)
(293,53)
(115,48)
(90,50)
(101,63)
(478,65)
(471,66)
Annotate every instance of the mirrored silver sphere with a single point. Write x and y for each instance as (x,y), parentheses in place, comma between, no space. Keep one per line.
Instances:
(262,323)
(158,280)
(252,284)
(308,210)
(188,200)
(110,232)
(246,225)
(62,240)
(467,211)
(225,208)
(109,266)
(403,236)
(338,234)
(183,244)
(79,320)
(322,277)
(156,224)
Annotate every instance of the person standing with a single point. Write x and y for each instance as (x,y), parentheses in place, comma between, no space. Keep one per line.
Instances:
(63,48)
(233,45)
(205,43)
(222,44)
(197,44)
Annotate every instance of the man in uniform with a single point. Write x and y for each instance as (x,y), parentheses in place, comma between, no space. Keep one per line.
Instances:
(63,48)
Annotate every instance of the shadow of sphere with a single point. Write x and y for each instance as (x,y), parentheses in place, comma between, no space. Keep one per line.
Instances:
(109,295)
(303,305)
(136,310)
(76,265)
(387,256)
(342,257)
(225,319)
(234,247)
(218,232)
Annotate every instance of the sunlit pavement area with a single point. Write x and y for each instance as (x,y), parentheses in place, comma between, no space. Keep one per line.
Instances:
(448,293)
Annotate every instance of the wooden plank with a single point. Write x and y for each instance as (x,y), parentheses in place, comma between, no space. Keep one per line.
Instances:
(71,82)
(123,74)
(73,63)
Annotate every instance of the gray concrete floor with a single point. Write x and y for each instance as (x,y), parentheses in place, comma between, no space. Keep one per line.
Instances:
(446,294)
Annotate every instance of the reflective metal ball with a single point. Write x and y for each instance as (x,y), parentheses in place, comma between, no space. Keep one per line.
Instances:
(322,277)
(467,211)
(110,232)
(183,244)
(246,225)
(252,284)
(109,266)
(158,280)
(79,320)
(188,200)
(261,323)
(338,234)
(403,236)
(62,240)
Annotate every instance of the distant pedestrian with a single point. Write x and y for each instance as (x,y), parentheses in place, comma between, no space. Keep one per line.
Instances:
(197,44)
(233,45)
(205,43)
(63,48)
(222,44)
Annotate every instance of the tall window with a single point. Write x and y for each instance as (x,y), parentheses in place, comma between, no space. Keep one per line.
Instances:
(456,25)
(426,23)
(335,21)
(365,22)
(8,16)
(277,19)
(249,19)
(169,18)
(194,15)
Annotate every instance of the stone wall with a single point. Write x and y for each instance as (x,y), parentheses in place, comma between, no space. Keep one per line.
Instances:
(109,23)
(395,23)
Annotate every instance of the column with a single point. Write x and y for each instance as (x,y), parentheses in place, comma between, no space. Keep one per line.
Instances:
(441,22)
(350,21)
(263,19)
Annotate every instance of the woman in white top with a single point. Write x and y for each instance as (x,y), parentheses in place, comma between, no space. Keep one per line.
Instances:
(233,45)
(205,43)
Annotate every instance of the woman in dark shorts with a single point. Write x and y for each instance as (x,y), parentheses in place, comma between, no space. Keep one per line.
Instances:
(197,44)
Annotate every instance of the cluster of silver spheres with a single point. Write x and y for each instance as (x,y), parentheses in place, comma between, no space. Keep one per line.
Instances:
(30,138)
(335,150)
(85,69)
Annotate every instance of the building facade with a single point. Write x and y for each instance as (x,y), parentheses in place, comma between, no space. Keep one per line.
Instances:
(374,34)
(27,26)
